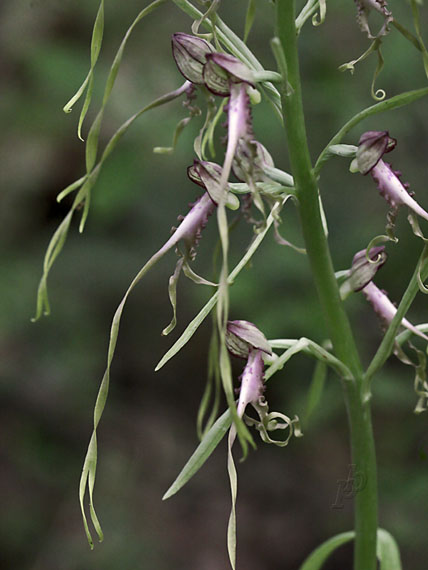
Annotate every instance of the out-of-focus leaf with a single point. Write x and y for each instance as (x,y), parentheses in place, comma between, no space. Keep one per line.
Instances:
(316,560)
(249,18)
(316,389)
(208,444)
(387,551)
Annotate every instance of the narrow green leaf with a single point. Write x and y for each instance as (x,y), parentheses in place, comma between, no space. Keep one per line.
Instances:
(387,551)
(172,292)
(97,37)
(86,103)
(89,467)
(233,480)
(85,212)
(249,18)
(316,560)
(68,107)
(70,188)
(208,444)
(417,25)
(212,388)
(294,346)
(198,279)
(177,132)
(92,142)
(54,248)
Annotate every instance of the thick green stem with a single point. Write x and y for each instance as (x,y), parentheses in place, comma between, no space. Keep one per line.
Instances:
(362,443)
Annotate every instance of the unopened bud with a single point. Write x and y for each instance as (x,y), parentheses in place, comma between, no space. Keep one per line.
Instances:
(190,56)
(243,336)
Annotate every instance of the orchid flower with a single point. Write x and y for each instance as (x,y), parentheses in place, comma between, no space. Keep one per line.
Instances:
(245,340)
(372,146)
(365,265)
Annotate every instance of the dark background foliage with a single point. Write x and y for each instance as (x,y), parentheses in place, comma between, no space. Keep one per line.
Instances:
(50,370)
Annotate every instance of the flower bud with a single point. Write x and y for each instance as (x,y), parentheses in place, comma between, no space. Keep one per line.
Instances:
(190,56)
(242,337)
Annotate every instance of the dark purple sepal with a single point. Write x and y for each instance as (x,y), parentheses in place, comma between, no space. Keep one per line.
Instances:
(243,336)
(372,146)
(216,79)
(363,270)
(207,175)
(221,70)
(237,70)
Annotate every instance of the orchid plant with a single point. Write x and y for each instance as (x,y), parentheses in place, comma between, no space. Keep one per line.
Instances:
(219,67)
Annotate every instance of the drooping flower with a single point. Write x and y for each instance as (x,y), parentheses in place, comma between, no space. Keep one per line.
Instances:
(245,340)
(372,146)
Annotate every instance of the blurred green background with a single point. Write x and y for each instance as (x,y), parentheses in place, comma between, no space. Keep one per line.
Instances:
(50,370)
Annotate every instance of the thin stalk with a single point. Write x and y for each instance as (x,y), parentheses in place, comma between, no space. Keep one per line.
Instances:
(362,442)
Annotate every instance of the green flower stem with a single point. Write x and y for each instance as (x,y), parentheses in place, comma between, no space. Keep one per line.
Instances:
(387,344)
(362,443)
